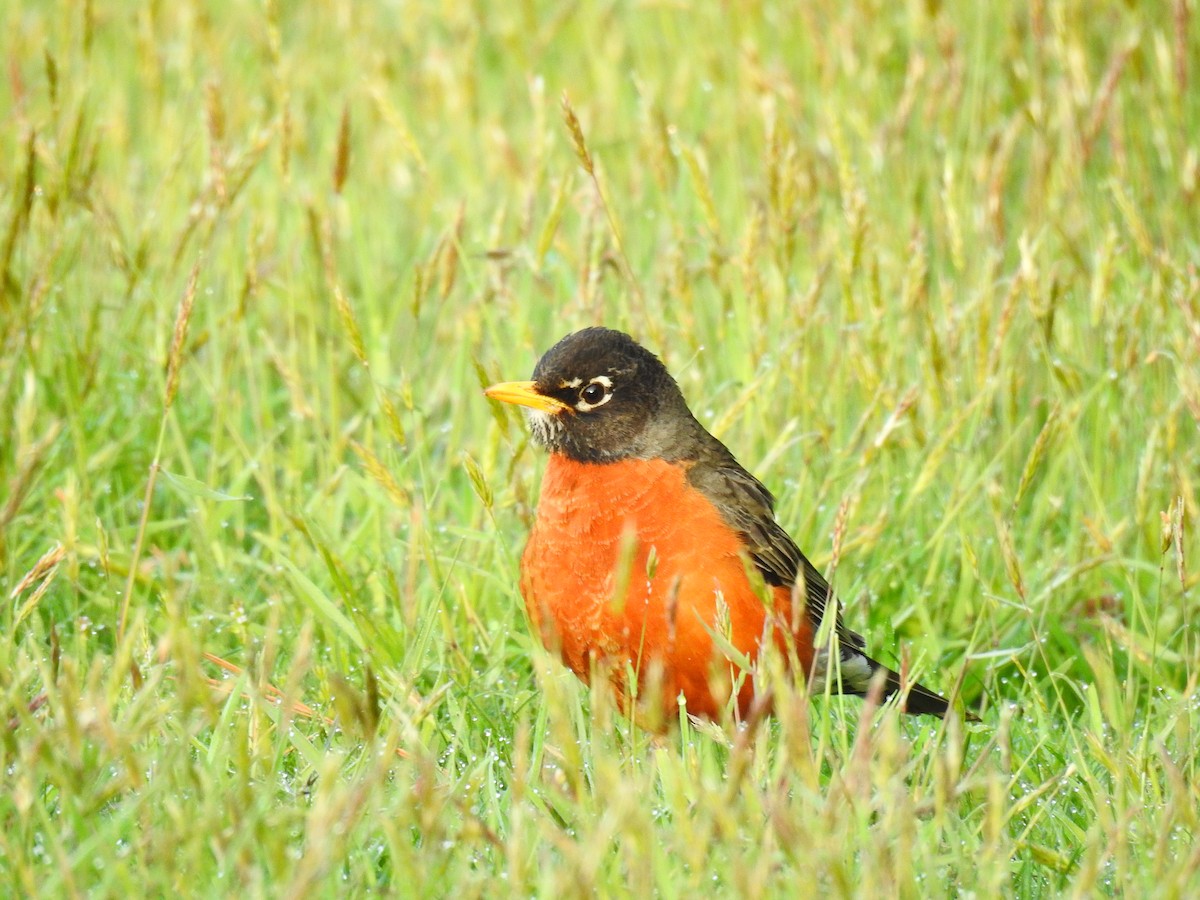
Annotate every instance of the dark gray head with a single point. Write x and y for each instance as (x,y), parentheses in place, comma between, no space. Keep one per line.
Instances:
(598,396)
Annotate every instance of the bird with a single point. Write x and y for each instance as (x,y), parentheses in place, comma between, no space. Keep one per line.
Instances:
(655,558)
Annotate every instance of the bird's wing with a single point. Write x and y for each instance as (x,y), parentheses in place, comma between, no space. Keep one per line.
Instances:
(750,509)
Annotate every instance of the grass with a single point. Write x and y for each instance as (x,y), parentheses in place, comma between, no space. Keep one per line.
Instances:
(931,272)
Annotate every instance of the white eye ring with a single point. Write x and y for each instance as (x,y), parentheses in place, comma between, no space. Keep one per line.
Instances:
(595,393)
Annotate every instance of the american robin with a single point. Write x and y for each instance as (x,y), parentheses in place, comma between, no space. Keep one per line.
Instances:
(655,555)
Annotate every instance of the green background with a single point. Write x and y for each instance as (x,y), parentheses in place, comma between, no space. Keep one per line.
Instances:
(929,270)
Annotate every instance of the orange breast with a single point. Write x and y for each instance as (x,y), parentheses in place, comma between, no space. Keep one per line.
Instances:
(630,567)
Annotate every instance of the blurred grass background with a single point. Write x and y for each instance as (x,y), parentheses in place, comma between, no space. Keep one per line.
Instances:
(930,271)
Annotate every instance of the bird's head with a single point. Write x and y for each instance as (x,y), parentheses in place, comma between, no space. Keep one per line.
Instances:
(599,396)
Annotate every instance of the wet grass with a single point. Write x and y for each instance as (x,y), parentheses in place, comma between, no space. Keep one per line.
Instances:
(930,273)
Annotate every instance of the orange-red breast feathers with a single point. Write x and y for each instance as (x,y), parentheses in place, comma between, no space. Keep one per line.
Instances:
(639,524)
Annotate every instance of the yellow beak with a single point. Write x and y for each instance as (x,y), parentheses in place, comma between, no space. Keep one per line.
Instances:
(523,393)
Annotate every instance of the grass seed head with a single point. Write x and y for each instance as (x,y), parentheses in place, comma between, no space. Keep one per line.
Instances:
(577,139)
(183,318)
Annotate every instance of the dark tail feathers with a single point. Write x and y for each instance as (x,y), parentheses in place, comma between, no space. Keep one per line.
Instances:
(919,700)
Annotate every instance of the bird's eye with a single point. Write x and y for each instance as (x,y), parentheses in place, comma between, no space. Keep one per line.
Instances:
(592,394)
(595,393)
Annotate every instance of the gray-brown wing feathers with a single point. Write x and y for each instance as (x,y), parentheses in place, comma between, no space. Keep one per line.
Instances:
(749,508)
